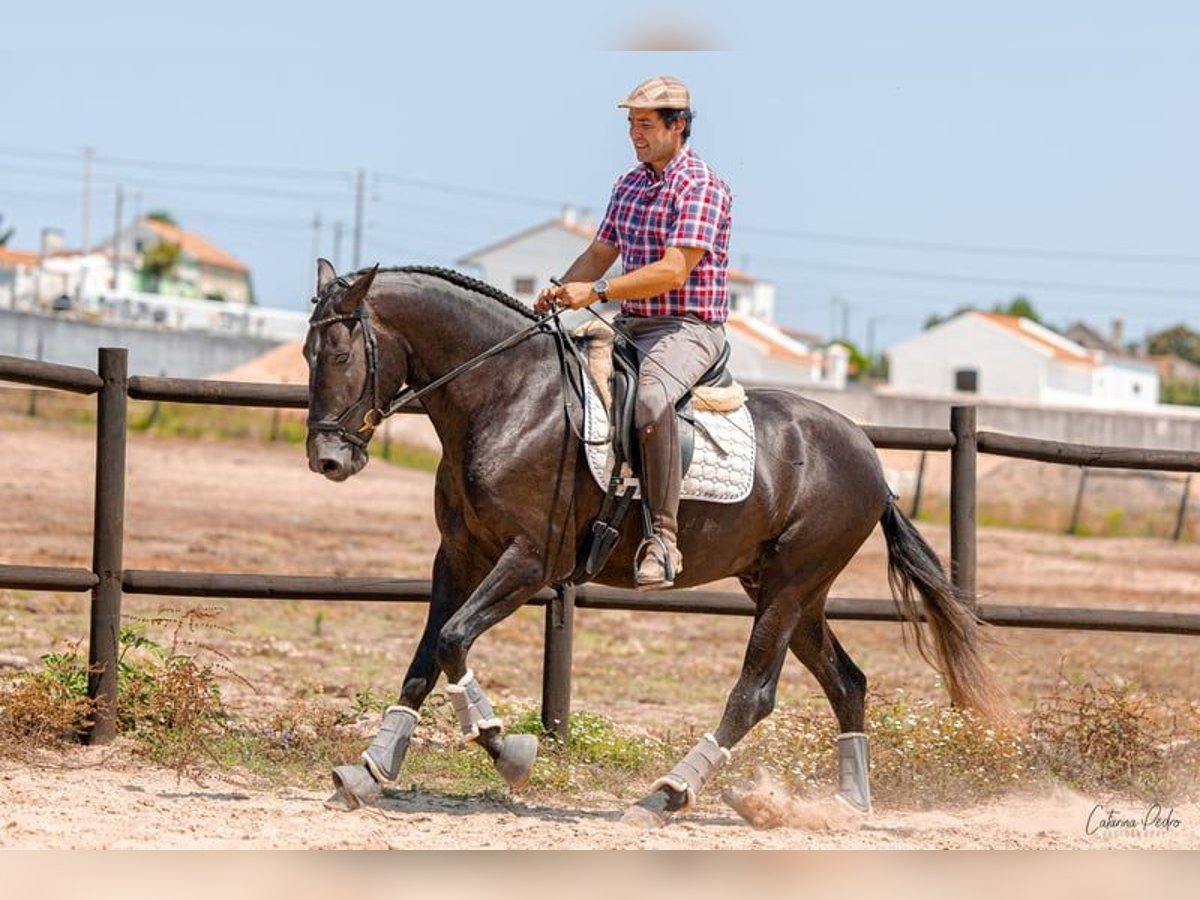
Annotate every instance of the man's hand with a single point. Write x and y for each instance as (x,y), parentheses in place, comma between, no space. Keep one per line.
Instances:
(576,295)
(573,295)
(547,299)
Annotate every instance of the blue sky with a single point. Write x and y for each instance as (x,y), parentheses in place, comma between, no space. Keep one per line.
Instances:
(905,158)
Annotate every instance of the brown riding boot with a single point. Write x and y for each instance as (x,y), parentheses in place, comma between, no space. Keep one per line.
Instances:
(661,475)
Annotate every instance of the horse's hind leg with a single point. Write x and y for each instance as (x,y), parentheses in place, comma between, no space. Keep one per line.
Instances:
(750,701)
(815,645)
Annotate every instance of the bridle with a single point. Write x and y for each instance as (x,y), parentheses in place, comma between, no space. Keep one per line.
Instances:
(373,414)
(376,413)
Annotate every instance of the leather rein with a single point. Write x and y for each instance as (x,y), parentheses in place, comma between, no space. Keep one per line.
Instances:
(376,413)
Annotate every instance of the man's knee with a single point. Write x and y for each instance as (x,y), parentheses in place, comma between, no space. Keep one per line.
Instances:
(653,401)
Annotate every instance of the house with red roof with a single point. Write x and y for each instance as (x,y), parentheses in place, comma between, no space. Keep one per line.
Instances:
(203,269)
(997,356)
(18,274)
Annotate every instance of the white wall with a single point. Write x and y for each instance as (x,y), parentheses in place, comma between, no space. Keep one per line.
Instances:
(1125,383)
(1008,366)
(754,299)
(542,255)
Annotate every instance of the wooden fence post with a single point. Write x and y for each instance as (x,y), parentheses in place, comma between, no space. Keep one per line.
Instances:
(1183,505)
(556,668)
(108,531)
(33,391)
(963,500)
(1077,509)
(916,500)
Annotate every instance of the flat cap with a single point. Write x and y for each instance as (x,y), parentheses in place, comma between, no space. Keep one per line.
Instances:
(659,92)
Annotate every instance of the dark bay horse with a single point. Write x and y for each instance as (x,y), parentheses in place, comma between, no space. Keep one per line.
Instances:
(515,499)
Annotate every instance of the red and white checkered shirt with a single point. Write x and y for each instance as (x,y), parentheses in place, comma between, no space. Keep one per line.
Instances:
(689,206)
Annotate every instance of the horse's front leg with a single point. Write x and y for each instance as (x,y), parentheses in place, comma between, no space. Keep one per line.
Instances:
(518,575)
(355,785)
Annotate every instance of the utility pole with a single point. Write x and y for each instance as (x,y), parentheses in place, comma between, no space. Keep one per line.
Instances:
(116,247)
(834,302)
(87,199)
(316,227)
(337,246)
(359,200)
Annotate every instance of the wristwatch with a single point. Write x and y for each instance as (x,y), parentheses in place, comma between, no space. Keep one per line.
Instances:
(601,289)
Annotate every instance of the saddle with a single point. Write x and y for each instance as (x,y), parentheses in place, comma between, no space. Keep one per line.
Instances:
(614,365)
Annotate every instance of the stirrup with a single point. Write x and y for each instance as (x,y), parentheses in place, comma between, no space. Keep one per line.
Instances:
(668,579)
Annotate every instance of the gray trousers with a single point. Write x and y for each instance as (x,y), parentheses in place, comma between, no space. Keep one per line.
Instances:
(678,350)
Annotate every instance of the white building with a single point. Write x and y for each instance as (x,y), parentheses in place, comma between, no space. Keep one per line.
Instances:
(1005,357)
(522,264)
(203,270)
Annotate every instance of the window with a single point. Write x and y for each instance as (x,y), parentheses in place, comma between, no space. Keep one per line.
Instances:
(966,380)
(523,284)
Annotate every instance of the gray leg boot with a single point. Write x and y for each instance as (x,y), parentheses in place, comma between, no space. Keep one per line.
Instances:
(512,754)
(854,766)
(386,753)
(695,770)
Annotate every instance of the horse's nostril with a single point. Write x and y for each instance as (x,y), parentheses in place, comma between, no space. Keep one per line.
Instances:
(329,467)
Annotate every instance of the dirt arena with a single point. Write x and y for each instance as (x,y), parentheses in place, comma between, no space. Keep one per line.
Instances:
(243,506)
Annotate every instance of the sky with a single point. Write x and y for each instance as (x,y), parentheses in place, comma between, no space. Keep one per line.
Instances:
(889,161)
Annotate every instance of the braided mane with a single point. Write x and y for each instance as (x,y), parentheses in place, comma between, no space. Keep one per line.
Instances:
(461,280)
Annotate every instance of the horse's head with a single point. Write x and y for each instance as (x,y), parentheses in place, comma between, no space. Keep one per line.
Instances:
(344,375)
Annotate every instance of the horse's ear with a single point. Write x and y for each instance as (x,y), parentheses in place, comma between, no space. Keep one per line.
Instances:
(356,293)
(325,275)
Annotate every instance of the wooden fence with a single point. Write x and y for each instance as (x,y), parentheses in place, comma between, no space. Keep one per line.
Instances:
(108,580)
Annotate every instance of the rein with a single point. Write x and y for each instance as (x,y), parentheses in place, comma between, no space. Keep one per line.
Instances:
(375,413)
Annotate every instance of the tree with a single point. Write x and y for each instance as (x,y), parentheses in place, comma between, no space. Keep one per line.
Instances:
(935,319)
(1020,306)
(857,364)
(5,235)
(1178,340)
(159,261)
(161,215)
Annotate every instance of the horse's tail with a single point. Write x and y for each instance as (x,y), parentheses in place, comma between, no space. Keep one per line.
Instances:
(912,564)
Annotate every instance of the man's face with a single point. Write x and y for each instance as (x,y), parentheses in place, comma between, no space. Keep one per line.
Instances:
(653,142)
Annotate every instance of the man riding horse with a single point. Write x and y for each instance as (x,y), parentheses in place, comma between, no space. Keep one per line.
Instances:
(669,221)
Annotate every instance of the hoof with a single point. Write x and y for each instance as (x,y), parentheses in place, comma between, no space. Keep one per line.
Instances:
(353,787)
(515,762)
(642,819)
(852,804)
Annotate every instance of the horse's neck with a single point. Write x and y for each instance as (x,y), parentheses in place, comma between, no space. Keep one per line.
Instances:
(446,327)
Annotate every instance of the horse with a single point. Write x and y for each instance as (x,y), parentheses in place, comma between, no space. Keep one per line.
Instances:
(514,502)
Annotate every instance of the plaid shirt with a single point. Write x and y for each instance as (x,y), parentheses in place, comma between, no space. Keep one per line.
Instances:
(688,207)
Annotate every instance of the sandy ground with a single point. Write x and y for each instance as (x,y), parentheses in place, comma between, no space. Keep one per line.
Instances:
(246,507)
(94,798)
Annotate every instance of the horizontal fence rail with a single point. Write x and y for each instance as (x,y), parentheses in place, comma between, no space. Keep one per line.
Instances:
(47,578)
(720,603)
(49,375)
(107,580)
(1087,455)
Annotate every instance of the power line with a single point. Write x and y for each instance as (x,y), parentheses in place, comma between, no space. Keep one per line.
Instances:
(478,193)
(936,247)
(37,154)
(915,275)
(251,171)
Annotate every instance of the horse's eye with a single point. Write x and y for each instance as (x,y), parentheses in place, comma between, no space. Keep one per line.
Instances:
(341,358)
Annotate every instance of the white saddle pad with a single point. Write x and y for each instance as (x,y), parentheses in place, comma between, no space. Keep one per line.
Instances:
(722,469)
